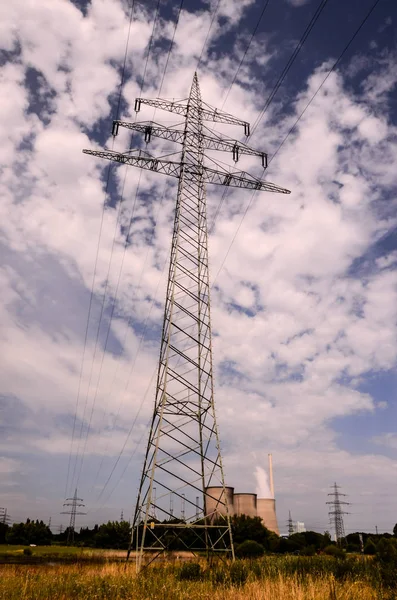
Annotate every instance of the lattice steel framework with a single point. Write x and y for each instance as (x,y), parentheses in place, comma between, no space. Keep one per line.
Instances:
(291,529)
(183,458)
(74,504)
(336,514)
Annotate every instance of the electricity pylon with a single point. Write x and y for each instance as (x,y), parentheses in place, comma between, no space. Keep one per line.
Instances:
(74,503)
(4,516)
(291,529)
(337,513)
(183,456)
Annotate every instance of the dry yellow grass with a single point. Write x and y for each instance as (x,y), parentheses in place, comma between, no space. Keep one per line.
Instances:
(119,582)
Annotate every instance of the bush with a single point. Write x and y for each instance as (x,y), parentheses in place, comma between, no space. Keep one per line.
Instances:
(370,547)
(334,551)
(218,575)
(27,551)
(251,528)
(190,571)
(249,549)
(386,554)
(238,573)
(308,551)
(353,548)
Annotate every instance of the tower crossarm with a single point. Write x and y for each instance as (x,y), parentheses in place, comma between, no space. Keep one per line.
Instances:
(239,179)
(180,108)
(149,129)
(74,512)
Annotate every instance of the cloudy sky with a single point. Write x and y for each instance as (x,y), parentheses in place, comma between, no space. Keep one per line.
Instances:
(304,286)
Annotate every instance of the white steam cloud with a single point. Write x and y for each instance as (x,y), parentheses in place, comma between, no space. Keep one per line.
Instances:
(262,483)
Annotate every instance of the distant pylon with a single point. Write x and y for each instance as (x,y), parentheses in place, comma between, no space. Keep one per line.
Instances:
(291,530)
(49,523)
(74,503)
(336,513)
(122,516)
(4,516)
(183,454)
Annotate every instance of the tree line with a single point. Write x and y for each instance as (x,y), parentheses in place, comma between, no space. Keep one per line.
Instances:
(250,536)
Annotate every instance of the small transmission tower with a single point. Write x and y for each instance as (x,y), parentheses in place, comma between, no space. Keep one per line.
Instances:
(4,516)
(183,455)
(291,529)
(74,504)
(336,513)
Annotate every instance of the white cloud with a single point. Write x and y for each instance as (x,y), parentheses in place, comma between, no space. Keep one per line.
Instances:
(387,439)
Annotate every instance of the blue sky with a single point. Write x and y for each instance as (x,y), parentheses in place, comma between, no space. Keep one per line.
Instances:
(304,300)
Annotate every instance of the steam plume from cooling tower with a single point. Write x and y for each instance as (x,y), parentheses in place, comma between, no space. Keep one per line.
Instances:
(262,483)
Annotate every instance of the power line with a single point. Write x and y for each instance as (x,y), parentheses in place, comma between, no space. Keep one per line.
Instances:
(332,69)
(132,6)
(129,322)
(208,33)
(226,191)
(109,266)
(127,438)
(245,52)
(293,127)
(290,62)
(171,47)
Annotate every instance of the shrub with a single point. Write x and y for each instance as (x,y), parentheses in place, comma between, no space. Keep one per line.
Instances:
(27,551)
(308,551)
(238,573)
(190,571)
(353,548)
(386,553)
(370,547)
(334,551)
(218,575)
(249,549)
(256,569)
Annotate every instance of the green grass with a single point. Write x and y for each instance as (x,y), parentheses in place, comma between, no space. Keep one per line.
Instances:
(42,550)
(15,554)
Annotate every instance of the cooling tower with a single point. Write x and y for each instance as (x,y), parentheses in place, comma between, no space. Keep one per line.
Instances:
(266,510)
(245,504)
(215,501)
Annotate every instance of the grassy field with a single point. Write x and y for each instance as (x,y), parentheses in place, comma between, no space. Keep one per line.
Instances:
(270,578)
(11,553)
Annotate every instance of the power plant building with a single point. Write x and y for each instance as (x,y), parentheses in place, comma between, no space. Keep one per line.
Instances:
(243,504)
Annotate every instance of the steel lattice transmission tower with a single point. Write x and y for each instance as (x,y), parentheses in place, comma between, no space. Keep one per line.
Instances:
(183,457)
(74,503)
(336,513)
(5,518)
(291,529)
